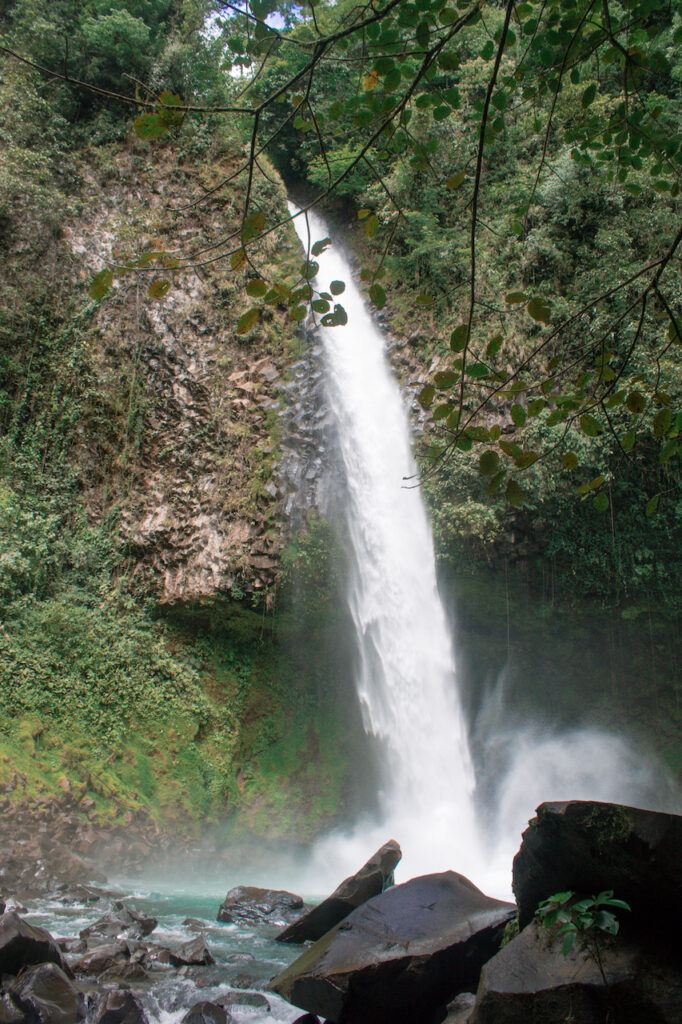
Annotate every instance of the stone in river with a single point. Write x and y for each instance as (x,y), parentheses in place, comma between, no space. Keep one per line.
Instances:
(102,958)
(47,996)
(254,999)
(402,956)
(371,880)
(22,943)
(122,920)
(246,904)
(119,1007)
(207,1013)
(588,847)
(194,952)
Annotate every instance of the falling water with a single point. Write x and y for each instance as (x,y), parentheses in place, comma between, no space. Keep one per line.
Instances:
(406,681)
(406,678)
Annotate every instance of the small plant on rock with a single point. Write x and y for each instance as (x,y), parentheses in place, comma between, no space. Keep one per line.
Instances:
(587,920)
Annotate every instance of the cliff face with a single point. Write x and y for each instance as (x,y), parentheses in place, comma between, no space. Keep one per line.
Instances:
(197,486)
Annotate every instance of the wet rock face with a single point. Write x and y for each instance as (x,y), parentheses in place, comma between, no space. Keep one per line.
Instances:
(400,957)
(22,944)
(531,980)
(207,1013)
(103,958)
(122,920)
(120,1007)
(45,994)
(372,878)
(246,904)
(588,847)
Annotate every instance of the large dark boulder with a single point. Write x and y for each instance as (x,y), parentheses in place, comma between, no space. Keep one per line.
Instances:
(400,957)
(372,878)
(22,943)
(588,847)
(531,980)
(256,1000)
(47,996)
(123,920)
(245,904)
(207,1013)
(119,1007)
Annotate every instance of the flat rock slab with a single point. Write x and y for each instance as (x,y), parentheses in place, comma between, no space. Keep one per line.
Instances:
(371,880)
(246,904)
(530,980)
(587,847)
(400,957)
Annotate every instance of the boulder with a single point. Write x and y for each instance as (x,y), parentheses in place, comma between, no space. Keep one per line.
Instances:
(372,878)
(9,1011)
(194,952)
(122,920)
(207,1013)
(119,1007)
(22,944)
(588,847)
(400,957)
(102,958)
(71,945)
(460,1009)
(531,980)
(254,999)
(47,996)
(245,904)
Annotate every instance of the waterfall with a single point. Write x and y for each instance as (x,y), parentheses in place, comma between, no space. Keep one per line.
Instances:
(406,679)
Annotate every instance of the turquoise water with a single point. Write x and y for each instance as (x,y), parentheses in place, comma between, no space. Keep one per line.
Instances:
(169,993)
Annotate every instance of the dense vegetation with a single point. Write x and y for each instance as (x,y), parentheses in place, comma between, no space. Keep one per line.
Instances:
(568,475)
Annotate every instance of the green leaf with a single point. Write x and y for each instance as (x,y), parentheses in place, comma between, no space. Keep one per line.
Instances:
(515,494)
(320,305)
(570,461)
(337,287)
(248,320)
(518,415)
(377,295)
(426,396)
(590,426)
(441,412)
(652,505)
(319,247)
(662,422)
(297,314)
(253,225)
(627,440)
(489,463)
(494,346)
(588,95)
(591,485)
(455,180)
(601,501)
(101,284)
(636,402)
(445,379)
(256,288)
(458,338)
(539,310)
(238,259)
(158,288)
(514,298)
(149,126)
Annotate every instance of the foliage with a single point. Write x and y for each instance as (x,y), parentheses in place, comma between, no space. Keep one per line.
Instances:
(585,919)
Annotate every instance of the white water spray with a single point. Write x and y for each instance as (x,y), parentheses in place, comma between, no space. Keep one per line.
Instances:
(406,681)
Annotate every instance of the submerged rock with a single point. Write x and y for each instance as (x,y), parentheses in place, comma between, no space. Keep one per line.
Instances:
(47,996)
(531,980)
(402,956)
(588,847)
(372,878)
(120,1007)
(255,999)
(246,904)
(22,944)
(122,920)
(207,1013)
